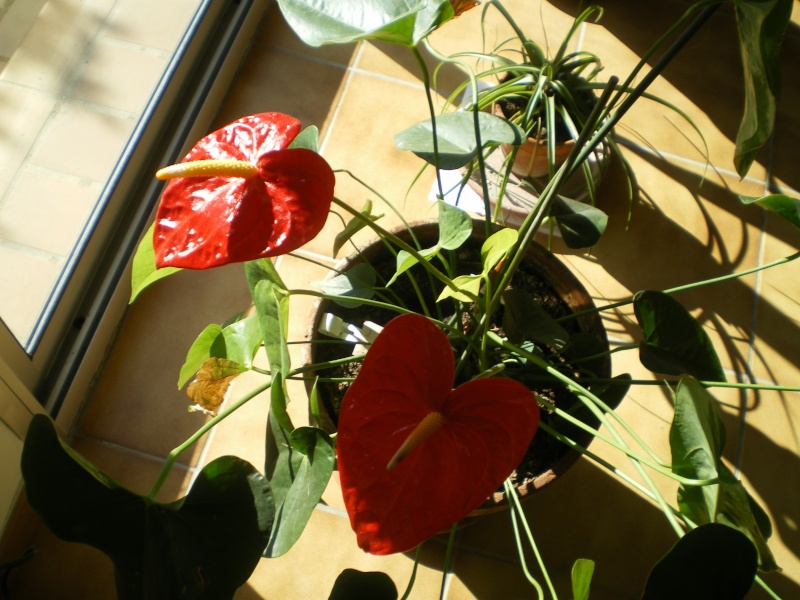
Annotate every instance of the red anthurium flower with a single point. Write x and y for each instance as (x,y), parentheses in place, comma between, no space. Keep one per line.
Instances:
(242,194)
(415,455)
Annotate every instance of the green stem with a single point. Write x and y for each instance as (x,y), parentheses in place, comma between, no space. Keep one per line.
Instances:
(688,286)
(426,82)
(518,516)
(413,577)
(173,456)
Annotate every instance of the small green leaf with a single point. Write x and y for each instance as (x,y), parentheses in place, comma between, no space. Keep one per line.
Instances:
(455,226)
(712,561)
(524,319)
(455,133)
(278,401)
(144,270)
(311,457)
(674,342)
(271,300)
(358,585)
(580,224)
(780,204)
(582,572)
(405,261)
(469,287)
(761,26)
(199,352)
(308,139)
(496,247)
(357,282)
(353,226)
(241,341)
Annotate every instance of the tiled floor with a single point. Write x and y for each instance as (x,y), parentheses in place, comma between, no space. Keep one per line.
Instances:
(74,78)
(687,225)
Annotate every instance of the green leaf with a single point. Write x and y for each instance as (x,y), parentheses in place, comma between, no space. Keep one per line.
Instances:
(782,205)
(271,300)
(144,271)
(353,226)
(308,139)
(359,585)
(357,282)
(524,319)
(199,352)
(455,226)
(203,546)
(406,22)
(277,403)
(469,287)
(697,439)
(405,261)
(496,247)
(582,572)
(455,132)
(580,224)
(761,25)
(301,474)
(674,342)
(240,341)
(712,561)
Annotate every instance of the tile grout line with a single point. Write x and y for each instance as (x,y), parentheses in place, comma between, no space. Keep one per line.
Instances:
(339,101)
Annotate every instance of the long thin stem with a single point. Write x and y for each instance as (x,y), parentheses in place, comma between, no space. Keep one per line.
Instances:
(518,516)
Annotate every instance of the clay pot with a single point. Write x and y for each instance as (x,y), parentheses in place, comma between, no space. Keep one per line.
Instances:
(572,297)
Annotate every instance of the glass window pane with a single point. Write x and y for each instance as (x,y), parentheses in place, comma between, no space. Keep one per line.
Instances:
(75,76)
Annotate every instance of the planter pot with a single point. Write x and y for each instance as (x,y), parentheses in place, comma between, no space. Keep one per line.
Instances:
(556,289)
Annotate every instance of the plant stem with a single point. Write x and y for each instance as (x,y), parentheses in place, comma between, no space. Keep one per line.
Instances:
(413,577)
(175,453)
(688,286)
(516,516)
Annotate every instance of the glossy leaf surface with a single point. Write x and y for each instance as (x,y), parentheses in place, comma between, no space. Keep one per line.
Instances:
(761,25)
(406,22)
(455,134)
(674,342)
(205,222)
(780,204)
(712,561)
(697,439)
(487,426)
(203,546)
(299,465)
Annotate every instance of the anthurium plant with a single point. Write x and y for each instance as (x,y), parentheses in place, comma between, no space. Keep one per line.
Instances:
(444,397)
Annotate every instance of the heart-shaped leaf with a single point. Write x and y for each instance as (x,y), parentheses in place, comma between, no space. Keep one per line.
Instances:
(406,22)
(455,134)
(203,546)
(674,342)
(357,282)
(580,224)
(357,585)
(482,430)
(697,439)
(271,300)
(214,218)
(712,561)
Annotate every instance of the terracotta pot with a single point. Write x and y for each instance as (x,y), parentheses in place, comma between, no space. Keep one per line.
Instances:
(567,288)
(532,159)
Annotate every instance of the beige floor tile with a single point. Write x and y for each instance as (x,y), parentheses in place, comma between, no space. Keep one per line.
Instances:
(56,45)
(776,353)
(277,34)
(22,114)
(46,211)
(136,402)
(21,307)
(120,76)
(152,23)
(82,142)
(620,38)
(325,549)
(273,80)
